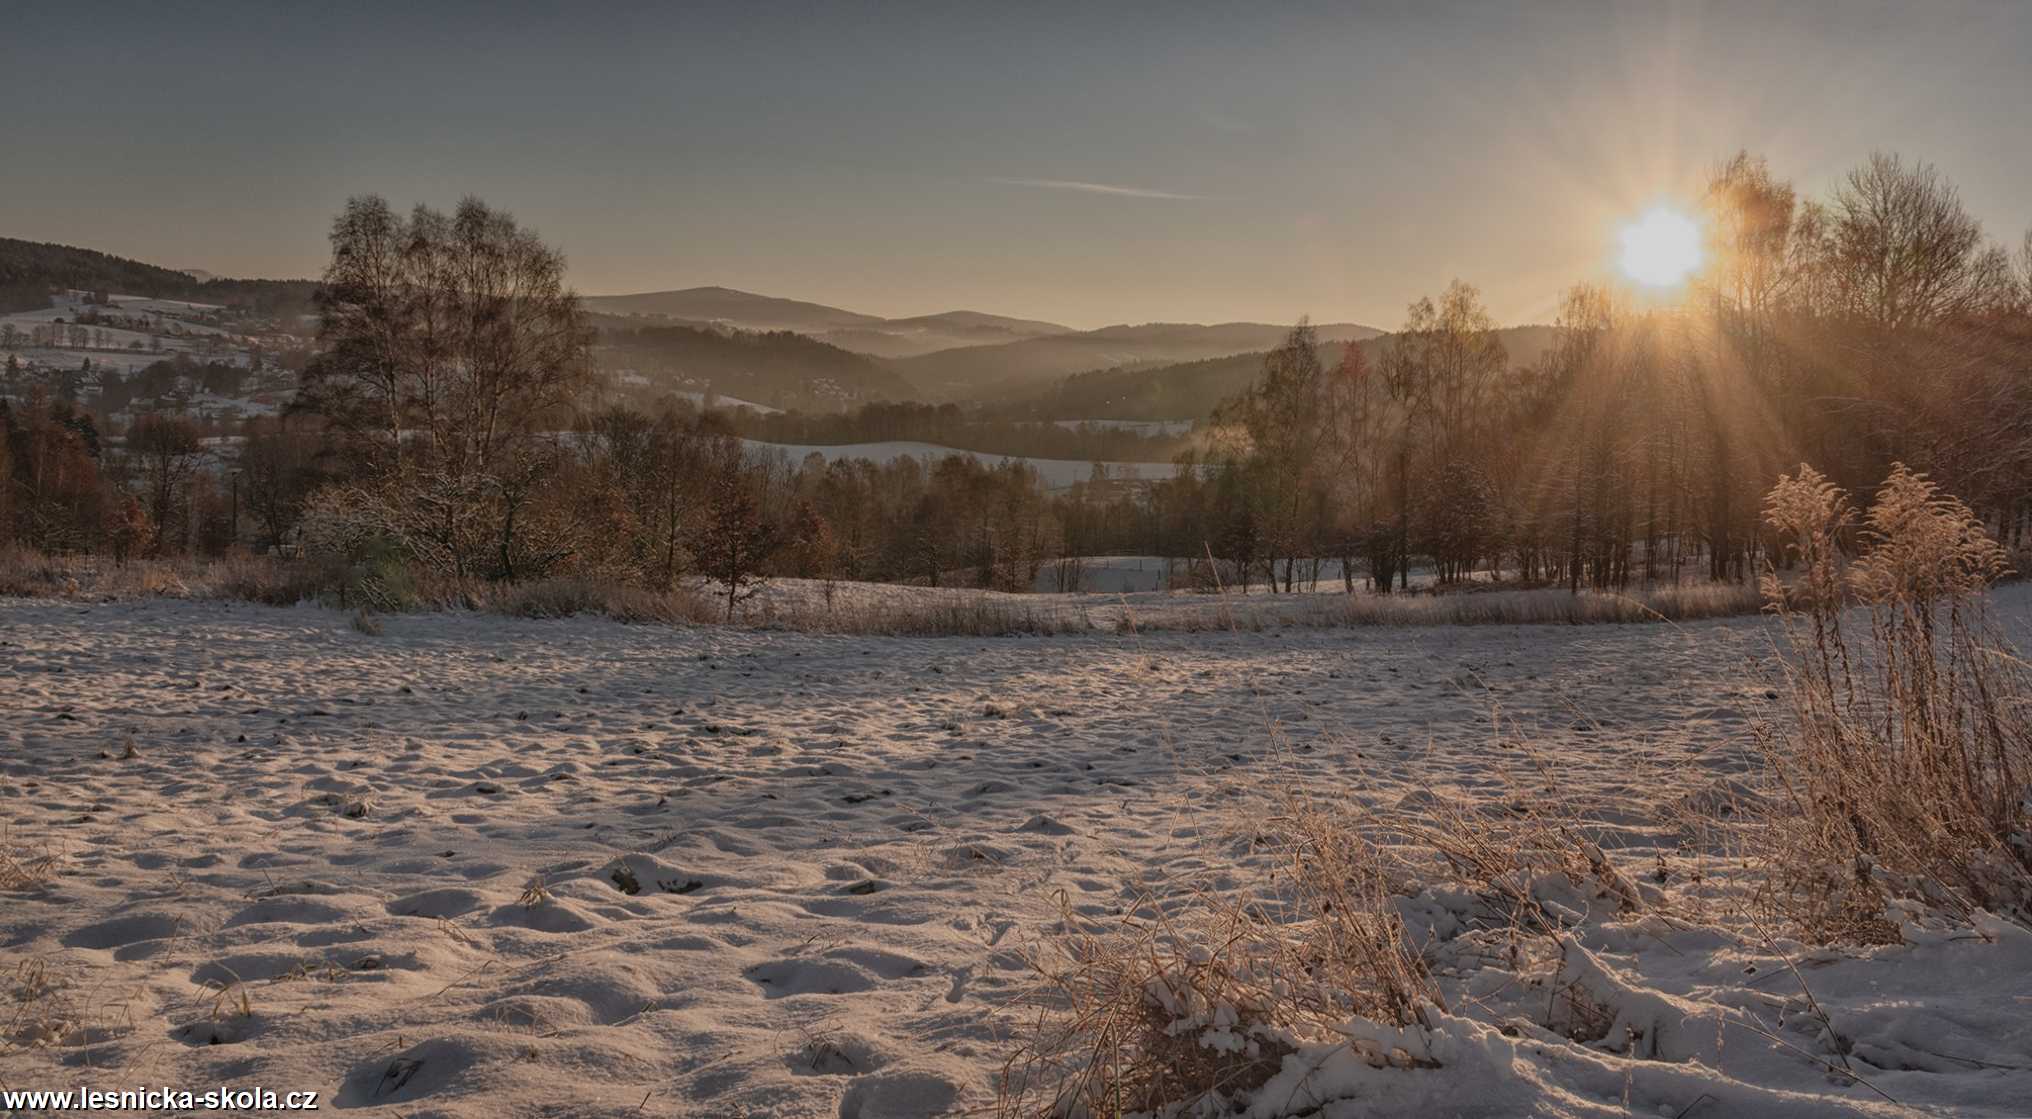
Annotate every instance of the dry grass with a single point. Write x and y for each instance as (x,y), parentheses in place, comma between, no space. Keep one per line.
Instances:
(27,872)
(1904,765)
(1530,607)
(39,1007)
(563,598)
(248,578)
(934,614)
(535,893)
(1509,852)
(966,614)
(1172,1014)
(1550,606)
(386,586)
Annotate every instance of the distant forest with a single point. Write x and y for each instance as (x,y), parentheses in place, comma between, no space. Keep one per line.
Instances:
(949,425)
(1194,389)
(777,368)
(30,269)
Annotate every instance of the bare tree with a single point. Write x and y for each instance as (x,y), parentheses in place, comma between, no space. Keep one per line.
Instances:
(1445,363)
(1280,421)
(1354,414)
(458,326)
(278,470)
(452,345)
(1443,369)
(1751,224)
(167,451)
(1904,251)
(736,540)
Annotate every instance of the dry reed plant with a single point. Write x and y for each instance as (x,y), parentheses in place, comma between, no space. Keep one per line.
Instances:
(1903,768)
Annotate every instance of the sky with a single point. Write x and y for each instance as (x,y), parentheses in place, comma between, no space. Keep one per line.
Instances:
(1087,164)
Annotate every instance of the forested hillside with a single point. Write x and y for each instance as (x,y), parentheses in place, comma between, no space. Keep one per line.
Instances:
(1192,390)
(29,270)
(1015,369)
(777,368)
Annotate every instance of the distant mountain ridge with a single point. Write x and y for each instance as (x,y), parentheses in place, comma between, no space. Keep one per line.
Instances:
(849,330)
(962,355)
(957,356)
(1015,368)
(740,309)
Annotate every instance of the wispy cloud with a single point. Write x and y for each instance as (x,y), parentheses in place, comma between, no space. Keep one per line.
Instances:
(1098,188)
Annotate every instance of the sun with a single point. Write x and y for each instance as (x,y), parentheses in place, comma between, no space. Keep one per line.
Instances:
(1661,248)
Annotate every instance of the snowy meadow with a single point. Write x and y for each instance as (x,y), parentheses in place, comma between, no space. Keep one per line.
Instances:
(477,865)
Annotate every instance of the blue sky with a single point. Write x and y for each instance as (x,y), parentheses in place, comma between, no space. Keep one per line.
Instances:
(1087,163)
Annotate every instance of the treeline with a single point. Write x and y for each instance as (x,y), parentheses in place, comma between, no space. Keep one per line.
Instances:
(950,426)
(65,488)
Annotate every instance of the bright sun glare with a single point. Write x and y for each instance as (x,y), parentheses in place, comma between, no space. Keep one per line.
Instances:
(1661,249)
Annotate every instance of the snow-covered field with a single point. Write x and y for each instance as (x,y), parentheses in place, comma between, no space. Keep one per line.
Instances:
(1056,473)
(478,866)
(720,401)
(110,343)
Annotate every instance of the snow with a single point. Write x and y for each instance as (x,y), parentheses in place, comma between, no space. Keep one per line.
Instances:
(480,866)
(720,400)
(128,362)
(1056,473)
(110,343)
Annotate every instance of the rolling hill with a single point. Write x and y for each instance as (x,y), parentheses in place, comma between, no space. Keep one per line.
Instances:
(1015,369)
(849,330)
(782,369)
(1191,390)
(926,334)
(29,269)
(739,309)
